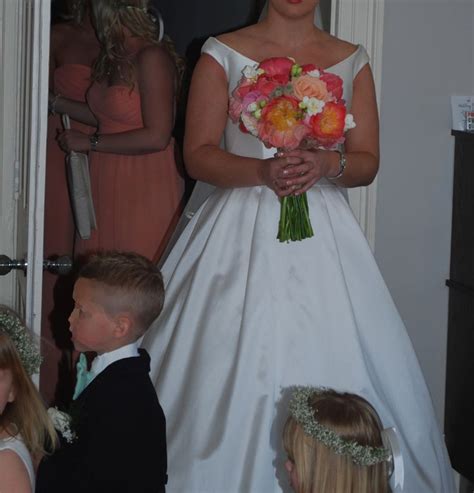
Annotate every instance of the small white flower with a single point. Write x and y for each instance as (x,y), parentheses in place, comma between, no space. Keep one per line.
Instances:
(250,124)
(313,105)
(252,72)
(62,423)
(252,107)
(314,73)
(349,122)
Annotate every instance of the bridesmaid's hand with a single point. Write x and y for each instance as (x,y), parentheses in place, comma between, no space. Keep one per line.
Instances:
(315,164)
(277,171)
(73,140)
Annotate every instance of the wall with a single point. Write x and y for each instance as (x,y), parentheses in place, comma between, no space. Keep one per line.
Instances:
(427,56)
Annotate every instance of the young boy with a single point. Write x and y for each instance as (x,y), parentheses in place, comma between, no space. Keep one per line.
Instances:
(120,443)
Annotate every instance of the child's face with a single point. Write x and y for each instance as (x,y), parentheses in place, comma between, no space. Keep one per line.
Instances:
(6,389)
(92,328)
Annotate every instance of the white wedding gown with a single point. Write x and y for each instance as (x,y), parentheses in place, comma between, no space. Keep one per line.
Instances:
(246,317)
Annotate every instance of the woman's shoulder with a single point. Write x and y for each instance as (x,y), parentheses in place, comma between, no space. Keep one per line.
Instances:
(242,40)
(153,54)
(339,48)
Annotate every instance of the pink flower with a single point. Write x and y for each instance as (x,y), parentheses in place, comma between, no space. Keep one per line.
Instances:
(309,67)
(277,66)
(280,124)
(328,126)
(311,87)
(243,87)
(235,109)
(266,85)
(334,84)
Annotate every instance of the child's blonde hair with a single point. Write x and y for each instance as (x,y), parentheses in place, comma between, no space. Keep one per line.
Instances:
(110,17)
(318,467)
(26,415)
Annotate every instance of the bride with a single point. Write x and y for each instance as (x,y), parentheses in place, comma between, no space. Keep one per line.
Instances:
(247,317)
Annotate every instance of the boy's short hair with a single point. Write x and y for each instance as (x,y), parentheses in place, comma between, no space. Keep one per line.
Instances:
(133,283)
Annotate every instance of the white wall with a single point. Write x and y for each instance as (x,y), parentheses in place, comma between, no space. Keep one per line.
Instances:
(427,55)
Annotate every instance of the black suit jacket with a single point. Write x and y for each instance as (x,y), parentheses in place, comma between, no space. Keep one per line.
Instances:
(121,436)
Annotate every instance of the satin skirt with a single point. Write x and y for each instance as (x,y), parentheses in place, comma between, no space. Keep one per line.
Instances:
(246,317)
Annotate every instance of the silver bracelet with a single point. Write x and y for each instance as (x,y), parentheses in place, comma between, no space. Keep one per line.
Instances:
(94,140)
(342,165)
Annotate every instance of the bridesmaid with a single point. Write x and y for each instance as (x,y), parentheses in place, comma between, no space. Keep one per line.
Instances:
(74,48)
(136,186)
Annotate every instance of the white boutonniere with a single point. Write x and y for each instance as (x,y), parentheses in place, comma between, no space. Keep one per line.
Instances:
(62,423)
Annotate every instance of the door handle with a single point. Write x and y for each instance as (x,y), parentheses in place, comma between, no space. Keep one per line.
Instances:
(60,266)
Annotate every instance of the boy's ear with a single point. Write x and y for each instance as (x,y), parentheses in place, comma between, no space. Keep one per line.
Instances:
(123,325)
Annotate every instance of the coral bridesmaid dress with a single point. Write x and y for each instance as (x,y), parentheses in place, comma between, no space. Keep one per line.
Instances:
(137,198)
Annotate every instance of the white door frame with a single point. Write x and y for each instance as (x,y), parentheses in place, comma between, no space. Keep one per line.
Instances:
(361,21)
(37,159)
(24,48)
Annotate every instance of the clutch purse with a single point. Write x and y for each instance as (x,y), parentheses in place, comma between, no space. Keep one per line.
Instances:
(80,193)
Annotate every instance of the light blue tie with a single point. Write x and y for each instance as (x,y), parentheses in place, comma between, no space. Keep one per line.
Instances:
(84,377)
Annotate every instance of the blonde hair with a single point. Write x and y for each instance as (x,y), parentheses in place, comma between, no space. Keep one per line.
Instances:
(26,415)
(318,468)
(110,17)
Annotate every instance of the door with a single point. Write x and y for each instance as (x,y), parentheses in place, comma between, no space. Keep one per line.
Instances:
(24,49)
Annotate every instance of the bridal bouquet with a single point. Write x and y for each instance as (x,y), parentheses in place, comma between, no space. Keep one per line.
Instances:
(290,106)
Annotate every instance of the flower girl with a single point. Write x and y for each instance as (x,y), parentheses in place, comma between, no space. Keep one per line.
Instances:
(334,442)
(26,432)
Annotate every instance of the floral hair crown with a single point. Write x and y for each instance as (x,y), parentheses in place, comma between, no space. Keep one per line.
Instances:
(301,411)
(24,343)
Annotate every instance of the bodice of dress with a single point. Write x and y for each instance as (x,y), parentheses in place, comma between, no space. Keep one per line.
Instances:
(117,108)
(71,80)
(17,445)
(233,63)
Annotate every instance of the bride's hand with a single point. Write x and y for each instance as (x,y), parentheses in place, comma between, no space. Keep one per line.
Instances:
(278,171)
(315,164)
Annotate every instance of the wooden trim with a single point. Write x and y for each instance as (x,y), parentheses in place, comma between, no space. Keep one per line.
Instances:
(361,21)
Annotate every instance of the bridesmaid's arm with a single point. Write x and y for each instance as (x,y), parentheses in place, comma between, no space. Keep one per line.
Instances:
(156,82)
(205,122)
(361,147)
(77,110)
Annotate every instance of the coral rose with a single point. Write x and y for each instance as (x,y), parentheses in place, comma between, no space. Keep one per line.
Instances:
(311,87)
(280,124)
(266,85)
(309,67)
(277,66)
(244,87)
(333,83)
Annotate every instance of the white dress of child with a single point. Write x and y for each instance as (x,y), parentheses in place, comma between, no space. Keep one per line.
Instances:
(247,317)
(17,445)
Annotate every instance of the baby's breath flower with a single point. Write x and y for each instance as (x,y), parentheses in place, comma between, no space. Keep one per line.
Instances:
(22,339)
(302,412)
(62,423)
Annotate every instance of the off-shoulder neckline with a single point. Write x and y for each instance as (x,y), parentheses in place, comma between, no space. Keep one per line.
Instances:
(359,47)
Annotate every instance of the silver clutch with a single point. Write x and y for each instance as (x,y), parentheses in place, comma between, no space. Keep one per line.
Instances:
(80,193)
